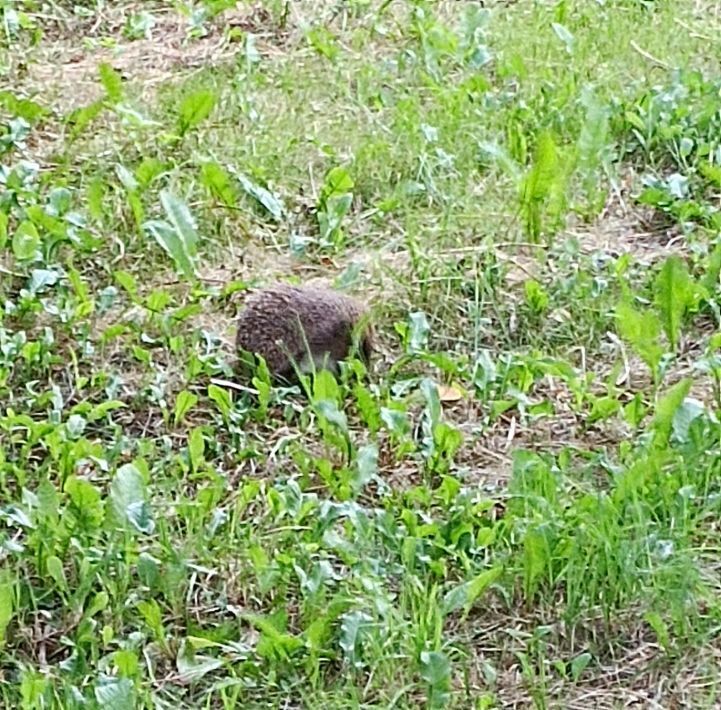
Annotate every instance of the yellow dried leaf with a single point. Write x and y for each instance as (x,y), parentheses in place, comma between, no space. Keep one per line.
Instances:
(449,393)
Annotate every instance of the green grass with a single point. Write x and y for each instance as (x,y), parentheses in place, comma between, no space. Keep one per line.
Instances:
(516,505)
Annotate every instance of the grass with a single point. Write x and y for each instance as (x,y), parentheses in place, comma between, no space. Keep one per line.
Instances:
(515,506)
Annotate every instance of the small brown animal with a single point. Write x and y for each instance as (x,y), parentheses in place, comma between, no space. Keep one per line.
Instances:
(302,325)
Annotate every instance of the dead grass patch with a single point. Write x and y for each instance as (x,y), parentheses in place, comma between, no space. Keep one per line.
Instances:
(625,227)
(629,668)
(66,75)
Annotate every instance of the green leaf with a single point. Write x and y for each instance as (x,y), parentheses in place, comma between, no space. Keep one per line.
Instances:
(325,387)
(96,190)
(543,185)
(184,402)
(323,41)
(196,448)
(494,153)
(127,179)
(536,557)
(128,282)
(222,399)
(578,665)
(126,661)
(86,499)
(660,628)
(24,108)
(100,410)
(139,25)
(338,181)
(368,407)
(674,292)
(367,466)
(148,570)
(395,421)
(80,118)
(168,239)
(41,279)
(178,237)
(635,410)
(275,642)
(711,172)
(447,441)
(192,666)
(330,412)
(564,35)
(99,602)
(330,216)
(112,82)
(26,242)
(436,671)
(684,417)
(218,183)
(148,170)
(153,617)
(7,597)
(537,298)
(270,201)
(195,108)
(435,667)
(464,595)
(418,332)
(352,628)
(335,201)
(182,220)
(55,569)
(666,409)
(318,632)
(115,693)
(128,499)
(642,331)
(433,400)
(603,408)
(710,280)
(3,230)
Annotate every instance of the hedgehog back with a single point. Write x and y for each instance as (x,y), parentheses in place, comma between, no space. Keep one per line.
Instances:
(278,321)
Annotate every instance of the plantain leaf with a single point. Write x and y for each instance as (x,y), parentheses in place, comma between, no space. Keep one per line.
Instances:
(112,82)
(536,556)
(666,408)
(270,201)
(710,280)
(178,237)
(464,595)
(115,693)
(195,108)
(218,183)
(184,402)
(3,230)
(7,604)
(167,237)
(542,187)
(642,332)
(564,35)
(181,219)
(26,242)
(674,292)
(129,500)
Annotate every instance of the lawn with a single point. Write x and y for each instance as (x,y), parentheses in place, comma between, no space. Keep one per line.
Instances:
(516,504)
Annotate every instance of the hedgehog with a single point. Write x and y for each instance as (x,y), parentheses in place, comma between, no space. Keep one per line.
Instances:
(308,327)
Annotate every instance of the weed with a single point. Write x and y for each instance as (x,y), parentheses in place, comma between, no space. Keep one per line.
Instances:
(513,504)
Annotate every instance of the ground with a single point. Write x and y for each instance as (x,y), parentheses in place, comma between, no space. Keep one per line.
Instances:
(516,504)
